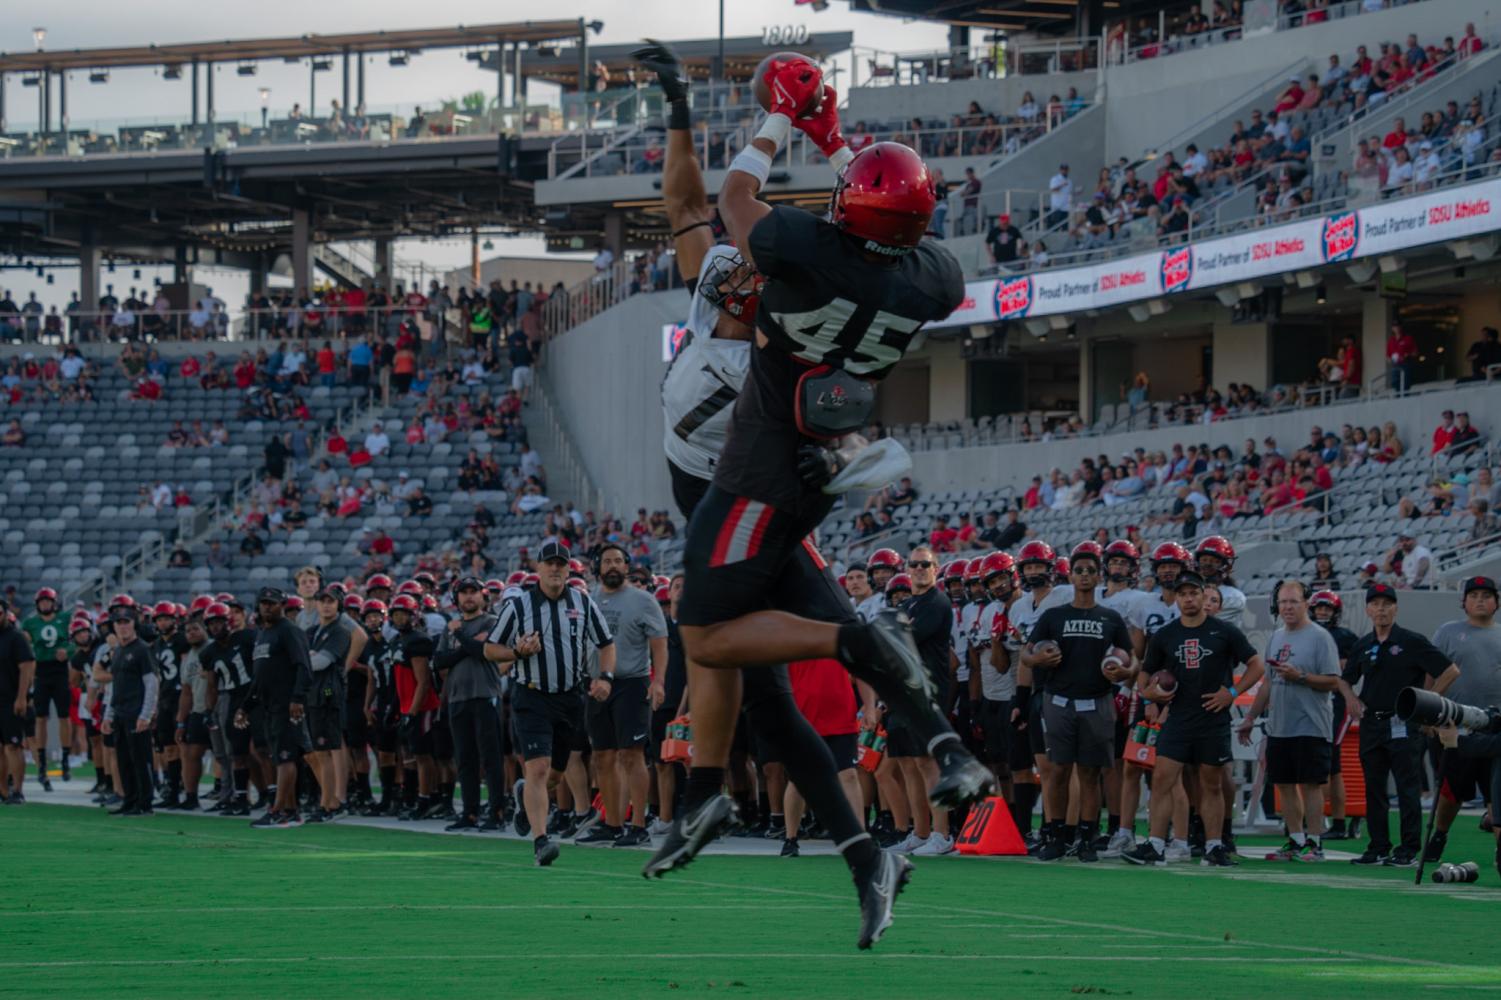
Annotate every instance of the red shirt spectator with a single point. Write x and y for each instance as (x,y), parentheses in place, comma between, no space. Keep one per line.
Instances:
(148,389)
(414,432)
(382,544)
(1396,137)
(245,373)
(1351,362)
(336,445)
(190,368)
(1443,434)
(1033,497)
(360,456)
(1291,97)
(1469,44)
(966,534)
(1401,347)
(1323,479)
(182,499)
(328,362)
(943,537)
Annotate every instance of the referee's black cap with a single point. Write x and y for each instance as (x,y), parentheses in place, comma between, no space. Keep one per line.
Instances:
(553,550)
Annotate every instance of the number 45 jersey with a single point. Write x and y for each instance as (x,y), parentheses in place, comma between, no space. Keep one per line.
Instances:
(825,303)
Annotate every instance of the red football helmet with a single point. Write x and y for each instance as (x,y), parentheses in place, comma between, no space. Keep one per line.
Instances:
(995,564)
(972,572)
(664,595)
(516,579)
(495,586)
(293,603)
(181,609)
(227,598)
(1170,552)
(1088,550)
(46,594)
(954,571)
(372,606)
(1326,599)
(1122,549)
(80,625)
(577,583)
(899,582)
(379,581)
(403,602)
(121,601)
(425,578)
(215,609)
(884,198)
(575,569)
(884,559)
(200,604)
(530,580)
(1060,569)
(353,604)
(1217,545)
(164,609)
(410,587)
(1035,552)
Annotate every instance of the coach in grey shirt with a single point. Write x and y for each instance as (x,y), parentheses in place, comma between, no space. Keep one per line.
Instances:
(620,725)
(1302,669)
(1474,645)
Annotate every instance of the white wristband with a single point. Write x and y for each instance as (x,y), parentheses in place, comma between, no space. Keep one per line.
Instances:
(753,161)
(840,159)
(776,129)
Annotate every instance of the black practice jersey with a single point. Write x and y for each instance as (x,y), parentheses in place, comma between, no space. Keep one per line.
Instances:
(932,617)
(169,653)
(382,657)
(1084,636)
(1203,659)
(1344,640)
(824,303)
(228,661)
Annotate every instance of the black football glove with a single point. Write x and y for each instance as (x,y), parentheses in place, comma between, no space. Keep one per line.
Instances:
(816,466)
(661,60)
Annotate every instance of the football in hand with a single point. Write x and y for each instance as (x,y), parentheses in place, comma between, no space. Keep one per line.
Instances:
(1164,681)
(1046,647)
(763,92)
(1116,659)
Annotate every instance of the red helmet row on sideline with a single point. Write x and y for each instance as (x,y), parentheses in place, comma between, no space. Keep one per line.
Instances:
(884,197)
(379,581)
(293,603)
(227,598)
(1061,569)
(1036,552)
(404,602)
(899,582)
(1217,545)
(1122,549)
(996,564)
(215,609)
(164,609)
(575,569)
(200,604)
(496,585)
(884,559)
(45,594)
(1326,599)
(410,587)
(664,595)
(577,583)
(1088,550)
(121,601)
(353,603)
(662,581)
(373,606)
(80,625)
(973,570)
(516,579)
(955,571)
(1171,552)
(530,580)
(429,602)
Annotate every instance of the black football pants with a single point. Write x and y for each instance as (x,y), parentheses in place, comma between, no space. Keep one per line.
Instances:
(1400,758)
(475,725)
(133,756)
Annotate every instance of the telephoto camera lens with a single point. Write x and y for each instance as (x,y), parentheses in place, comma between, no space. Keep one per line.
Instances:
(1467,872)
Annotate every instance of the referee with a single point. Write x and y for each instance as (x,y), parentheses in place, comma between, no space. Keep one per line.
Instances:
(1389,658)
(543,634)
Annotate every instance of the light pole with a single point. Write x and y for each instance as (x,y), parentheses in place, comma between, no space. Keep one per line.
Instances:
(39,35)
(265,93)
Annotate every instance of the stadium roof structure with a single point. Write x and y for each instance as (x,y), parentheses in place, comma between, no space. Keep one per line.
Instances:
(1045,16)
(697,55)
(296,47)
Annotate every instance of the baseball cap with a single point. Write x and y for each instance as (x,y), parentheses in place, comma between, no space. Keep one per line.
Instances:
(329,592)
(272,594)
(1404,533)
(469,583)
(122,615)
(1378,591)
(553,550)
(1480,583)
(1190,578)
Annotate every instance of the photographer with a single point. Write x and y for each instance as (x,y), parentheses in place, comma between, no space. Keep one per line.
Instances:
(1474,645)
(1390,658)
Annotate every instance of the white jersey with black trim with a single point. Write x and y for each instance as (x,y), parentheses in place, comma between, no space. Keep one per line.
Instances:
(1151,614)
(1232,605)
(965,619)
(870,607)
(701,386)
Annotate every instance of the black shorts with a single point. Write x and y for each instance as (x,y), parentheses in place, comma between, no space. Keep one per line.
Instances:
(416,734)
(845,748)
(1037,734)
(325,725)
(995,716)
(165,730)
(286,741)
(546,724)
(51,696)
(1083,736)
(1190,748)
(900,740)
(12,726)
(742,556)
(356,728)
(687,490)
(623,720)
(1295,760)
(1466,776)
(195,730)
(238,739)
(387,733)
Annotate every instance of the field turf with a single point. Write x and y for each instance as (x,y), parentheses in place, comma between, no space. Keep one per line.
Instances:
(187,906)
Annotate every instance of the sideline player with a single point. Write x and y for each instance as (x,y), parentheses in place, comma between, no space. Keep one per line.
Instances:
(51,694)
(1325,608)
(852,293)
(17,669)
(1201,653)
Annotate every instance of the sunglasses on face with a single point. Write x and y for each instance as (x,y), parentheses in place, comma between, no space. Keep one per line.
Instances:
(920,564)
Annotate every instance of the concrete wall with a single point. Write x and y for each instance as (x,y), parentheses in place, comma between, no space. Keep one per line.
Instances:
(1153,100)
(999,466)
(940,100)
(604,377)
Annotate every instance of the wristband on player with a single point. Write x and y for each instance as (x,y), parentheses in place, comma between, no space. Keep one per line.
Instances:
(678,116)
(775,130)
(753,161)
(1234,693)
(840,158)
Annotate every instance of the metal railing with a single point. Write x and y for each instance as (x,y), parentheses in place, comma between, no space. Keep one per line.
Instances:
(977,61)
(564,310)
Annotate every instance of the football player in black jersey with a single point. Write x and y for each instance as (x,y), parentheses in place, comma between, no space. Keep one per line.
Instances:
(231,668)
(169,649)
(380,711)
(842,302)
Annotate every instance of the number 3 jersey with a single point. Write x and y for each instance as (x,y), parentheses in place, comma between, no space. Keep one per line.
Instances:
(824,303)
(702,384)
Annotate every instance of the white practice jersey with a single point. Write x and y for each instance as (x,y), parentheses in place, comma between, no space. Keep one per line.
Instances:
(700,388)
(1026,609)
(870,607)
(959,636)
(991,631)
(1123,602)
(1232,606)
(1151,614)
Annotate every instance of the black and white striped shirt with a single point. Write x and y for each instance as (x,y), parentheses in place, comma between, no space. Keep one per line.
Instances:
(567,628)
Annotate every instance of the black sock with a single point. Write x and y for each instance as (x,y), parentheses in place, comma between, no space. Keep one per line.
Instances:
(703,784)
(1226,831)
(1088,832)
(678,115)
(174,777)
(861,854)
(241,781)
(539,840)
(447,793)
(1115,824)
(41,764)
(409,787)
(387,782)
(779,820)
(1023,799)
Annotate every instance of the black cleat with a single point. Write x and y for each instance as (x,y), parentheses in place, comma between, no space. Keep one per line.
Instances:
(599,833)
(961,778)
(239,807)
(1145,854)
(633,836)
(1052,849)
(46,783)
(315,815)
(1217,857)
(1434,852)
(790,848)
(492,824)
(1371,857)
(1403,858)
(544,852)
(189,804)
(691,833)
(270,819)
(1085,851)
(878,894)
(464,824)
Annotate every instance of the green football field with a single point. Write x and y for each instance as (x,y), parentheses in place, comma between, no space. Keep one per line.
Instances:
(190,906)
